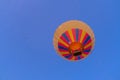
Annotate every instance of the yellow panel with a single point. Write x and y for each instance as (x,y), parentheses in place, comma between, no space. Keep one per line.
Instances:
(71,35)
(82,36)
(88,45)
(73,58)
(64,52)
(84,55)
(61,41)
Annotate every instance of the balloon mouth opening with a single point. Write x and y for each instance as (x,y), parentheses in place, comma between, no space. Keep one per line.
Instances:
(77,53)
(76,48)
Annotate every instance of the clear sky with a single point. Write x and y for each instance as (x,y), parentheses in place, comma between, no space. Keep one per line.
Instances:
(26,33)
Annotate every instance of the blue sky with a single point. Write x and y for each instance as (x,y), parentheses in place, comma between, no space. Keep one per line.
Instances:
(26,33)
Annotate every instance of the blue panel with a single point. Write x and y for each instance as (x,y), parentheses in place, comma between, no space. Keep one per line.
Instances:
(63,48)
(77,34)
(78,57)
(68,56)
(64,35)
(86,40)
(88,50)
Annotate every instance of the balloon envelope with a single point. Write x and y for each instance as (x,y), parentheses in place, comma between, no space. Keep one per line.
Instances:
(74,40)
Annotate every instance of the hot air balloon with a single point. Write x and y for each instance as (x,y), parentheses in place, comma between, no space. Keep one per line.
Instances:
(74,40)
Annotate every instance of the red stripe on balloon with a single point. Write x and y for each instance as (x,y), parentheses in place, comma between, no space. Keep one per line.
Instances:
(65,54)
(61,50)
(76,58)
(80,32)
(81,56)
(86,35)
(88,48)
(86,53)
